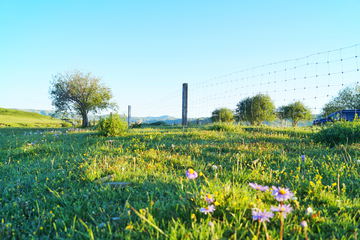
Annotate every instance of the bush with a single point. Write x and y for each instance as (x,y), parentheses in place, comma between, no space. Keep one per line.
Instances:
(113,125)
(66,124)
(340,132)
(136,125)
(159,123)
(224,127)
(222,115)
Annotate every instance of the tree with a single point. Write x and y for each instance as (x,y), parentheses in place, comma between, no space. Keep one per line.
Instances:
(80,93)
(222,114)
(256,109)
(280,113)
(297,111)
(348,98)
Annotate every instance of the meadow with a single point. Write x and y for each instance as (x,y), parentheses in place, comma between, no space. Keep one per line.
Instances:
(49,187)
(16,118)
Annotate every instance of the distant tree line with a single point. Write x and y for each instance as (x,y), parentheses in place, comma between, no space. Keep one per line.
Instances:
(260,108)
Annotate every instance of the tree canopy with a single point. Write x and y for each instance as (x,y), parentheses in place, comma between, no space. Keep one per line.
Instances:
(256,109)
(80,93)
(297,111)
(222,114)
(347,98)
(280,113)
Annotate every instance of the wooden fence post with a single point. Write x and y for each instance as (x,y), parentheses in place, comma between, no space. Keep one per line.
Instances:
(184,104)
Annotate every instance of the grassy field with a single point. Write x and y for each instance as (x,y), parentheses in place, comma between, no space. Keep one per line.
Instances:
(16,118)
(49,187)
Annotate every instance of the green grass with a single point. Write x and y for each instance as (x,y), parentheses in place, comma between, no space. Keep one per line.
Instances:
(16,118)
(49,189)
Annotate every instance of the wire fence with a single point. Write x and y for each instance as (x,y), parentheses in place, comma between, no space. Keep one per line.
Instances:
(313,80)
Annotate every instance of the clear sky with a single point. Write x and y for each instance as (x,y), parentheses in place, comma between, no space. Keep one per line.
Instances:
(145,50)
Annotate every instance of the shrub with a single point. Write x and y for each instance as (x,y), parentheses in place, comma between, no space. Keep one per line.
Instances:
(136,125)
(159,123)
(340,132)
(66,124)
(224,127)
(113,125)
(222,115)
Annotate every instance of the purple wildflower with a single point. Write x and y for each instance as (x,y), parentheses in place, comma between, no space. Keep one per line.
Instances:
(281,194)
(208,209)
(262,215)
(258,187)
(191,174)
(285,209)
(209,198)
(303,157)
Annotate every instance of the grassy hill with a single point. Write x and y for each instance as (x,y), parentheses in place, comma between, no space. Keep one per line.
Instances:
(16,118)
(42,112)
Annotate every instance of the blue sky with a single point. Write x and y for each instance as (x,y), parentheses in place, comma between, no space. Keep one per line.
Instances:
(145,50)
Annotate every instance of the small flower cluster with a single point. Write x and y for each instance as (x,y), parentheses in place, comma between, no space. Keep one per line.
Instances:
(191,174)
(280,194)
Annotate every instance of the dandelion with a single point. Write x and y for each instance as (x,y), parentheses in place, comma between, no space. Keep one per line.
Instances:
(209,198)
(208,209)
(285,209)
(258,187)
(281,194)
(191,174)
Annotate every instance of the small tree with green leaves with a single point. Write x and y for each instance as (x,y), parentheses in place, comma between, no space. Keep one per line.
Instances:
(280,113)
(80,93)
(256,109)
(347,98)
(222,115)
(297,111)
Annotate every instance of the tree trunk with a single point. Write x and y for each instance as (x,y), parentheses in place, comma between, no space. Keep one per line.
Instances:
(85,121)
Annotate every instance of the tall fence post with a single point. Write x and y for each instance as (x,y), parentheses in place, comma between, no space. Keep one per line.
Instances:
(184,104)
(129,115)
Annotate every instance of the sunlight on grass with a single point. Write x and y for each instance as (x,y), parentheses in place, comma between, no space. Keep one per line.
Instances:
(50,189)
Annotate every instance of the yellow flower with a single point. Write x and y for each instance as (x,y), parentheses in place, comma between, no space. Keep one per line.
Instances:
(334,184)
(129,227)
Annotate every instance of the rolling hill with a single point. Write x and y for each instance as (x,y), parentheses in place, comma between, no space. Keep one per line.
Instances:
(17,118)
